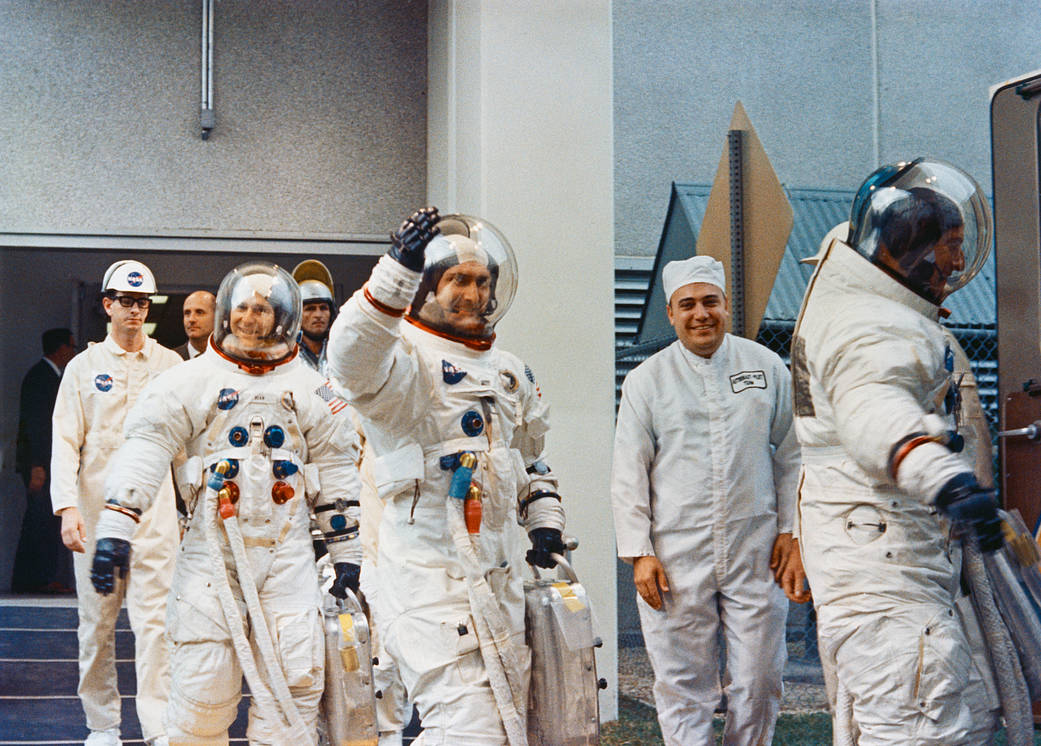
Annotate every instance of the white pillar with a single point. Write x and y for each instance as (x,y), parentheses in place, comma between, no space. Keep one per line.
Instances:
(520,133)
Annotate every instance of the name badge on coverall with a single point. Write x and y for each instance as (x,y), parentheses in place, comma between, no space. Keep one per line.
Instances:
(747,379)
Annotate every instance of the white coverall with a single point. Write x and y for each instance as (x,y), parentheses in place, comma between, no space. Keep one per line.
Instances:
(871,368)
(704,478)
(216,411)
(98,388)
(415,391)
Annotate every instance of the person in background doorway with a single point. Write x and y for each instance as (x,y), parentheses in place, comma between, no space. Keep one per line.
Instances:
(42,564)
(198,323)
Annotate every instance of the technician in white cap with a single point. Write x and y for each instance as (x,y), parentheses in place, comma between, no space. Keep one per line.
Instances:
(97,390)
(703,488)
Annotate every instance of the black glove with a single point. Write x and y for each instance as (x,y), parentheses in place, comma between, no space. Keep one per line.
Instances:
(110,555)
(544,542)
(409,242)
(347,575)
(964,501)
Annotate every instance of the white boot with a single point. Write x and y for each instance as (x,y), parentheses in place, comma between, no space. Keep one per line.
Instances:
(390,738)
(108,737)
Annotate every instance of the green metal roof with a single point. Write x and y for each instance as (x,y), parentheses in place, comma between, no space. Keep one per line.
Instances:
(815,212)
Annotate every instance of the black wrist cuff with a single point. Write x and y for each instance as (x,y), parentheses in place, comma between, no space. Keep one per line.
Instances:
(522,507)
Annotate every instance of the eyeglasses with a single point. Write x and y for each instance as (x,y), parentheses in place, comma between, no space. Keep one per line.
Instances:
(127,302)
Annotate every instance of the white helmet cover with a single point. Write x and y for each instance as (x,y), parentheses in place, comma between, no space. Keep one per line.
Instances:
(258,314)
(466,240)
(128,276)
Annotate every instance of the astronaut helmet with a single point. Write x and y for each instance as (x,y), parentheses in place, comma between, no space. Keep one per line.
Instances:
(469,281)
(258,316)
(316,282)
(128,276)
(924,222)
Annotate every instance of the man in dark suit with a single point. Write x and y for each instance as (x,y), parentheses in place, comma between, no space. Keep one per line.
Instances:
(42,563)
(198,312)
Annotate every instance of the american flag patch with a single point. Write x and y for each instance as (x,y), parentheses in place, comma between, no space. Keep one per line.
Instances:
(531,377)
(325,391)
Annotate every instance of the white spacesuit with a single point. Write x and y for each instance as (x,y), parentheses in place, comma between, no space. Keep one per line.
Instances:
(262,446)
(435,393)
(97,390)
(393,710)
(704,479)
(876,413)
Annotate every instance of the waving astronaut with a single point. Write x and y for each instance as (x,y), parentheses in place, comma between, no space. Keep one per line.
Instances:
(449,415)
(876,413)
(263,446)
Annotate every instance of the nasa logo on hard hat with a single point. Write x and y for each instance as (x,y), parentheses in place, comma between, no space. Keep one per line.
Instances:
(103,382)
(135,279)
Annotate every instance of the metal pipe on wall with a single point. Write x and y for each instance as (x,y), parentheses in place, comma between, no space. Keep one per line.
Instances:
(207,119)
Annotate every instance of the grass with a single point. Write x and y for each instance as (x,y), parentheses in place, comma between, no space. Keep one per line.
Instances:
(637,725)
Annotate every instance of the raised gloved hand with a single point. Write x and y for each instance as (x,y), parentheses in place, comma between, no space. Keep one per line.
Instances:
(544,542)
(409,242)
(110,555)
(964,501)
(347,575)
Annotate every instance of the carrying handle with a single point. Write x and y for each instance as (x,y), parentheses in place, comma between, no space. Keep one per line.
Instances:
(571,544)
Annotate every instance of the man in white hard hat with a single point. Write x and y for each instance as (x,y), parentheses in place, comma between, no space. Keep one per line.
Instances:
(96,392)
(703,489)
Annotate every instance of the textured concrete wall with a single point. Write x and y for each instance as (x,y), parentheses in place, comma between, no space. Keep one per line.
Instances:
(806,73)
(320,116)
(320,133)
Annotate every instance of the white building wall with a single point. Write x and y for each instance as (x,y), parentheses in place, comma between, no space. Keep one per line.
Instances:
(834,88)
(521,135)
(320,116)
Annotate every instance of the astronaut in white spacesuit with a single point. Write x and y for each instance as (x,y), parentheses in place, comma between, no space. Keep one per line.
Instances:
(393,710)
(456,426)
(262,446)
(319,310)
(97,390)
(877,409)
(703,489)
